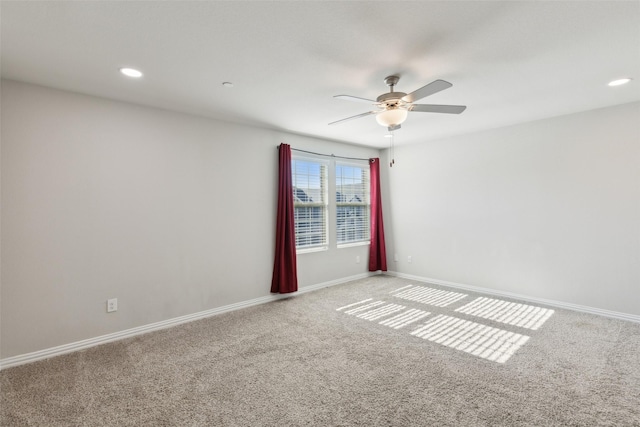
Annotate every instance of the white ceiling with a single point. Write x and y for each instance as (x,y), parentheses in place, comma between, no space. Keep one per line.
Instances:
(509,61)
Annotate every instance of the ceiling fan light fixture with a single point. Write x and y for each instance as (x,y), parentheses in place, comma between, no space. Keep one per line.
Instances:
(392,117)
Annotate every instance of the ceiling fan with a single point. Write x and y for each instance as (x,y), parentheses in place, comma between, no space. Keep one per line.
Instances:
(392,108)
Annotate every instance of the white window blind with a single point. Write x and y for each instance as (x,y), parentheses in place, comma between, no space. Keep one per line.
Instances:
(352,203)
(310,202)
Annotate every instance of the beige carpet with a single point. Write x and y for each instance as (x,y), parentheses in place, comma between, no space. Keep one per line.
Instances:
(376,352)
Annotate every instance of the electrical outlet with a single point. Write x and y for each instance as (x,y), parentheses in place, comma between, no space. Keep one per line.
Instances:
(112,305)
(395,258)
(409,259)
(358,259)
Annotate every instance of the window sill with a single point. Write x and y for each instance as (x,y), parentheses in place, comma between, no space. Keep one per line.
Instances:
(350,245)
(311,250)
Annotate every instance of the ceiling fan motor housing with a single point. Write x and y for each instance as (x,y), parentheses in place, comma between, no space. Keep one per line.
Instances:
(392,99)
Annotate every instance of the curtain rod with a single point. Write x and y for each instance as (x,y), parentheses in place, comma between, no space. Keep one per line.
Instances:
(328,155)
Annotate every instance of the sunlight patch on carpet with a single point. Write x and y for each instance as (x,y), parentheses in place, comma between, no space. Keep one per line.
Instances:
(405,318)
(511,313)
(378,309)
(373,310)
(424,295)
(483,341)
(479,340)
(385,310)
(355,303)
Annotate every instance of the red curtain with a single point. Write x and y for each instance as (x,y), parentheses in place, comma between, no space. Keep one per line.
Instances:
(377,251)
(285,274)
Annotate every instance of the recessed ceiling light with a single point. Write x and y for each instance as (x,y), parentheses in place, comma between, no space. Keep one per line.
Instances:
(619,82)
(131,72)
(227,84)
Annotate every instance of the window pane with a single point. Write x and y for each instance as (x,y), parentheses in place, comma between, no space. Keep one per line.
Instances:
(309,226)
(352,203)
(310,202)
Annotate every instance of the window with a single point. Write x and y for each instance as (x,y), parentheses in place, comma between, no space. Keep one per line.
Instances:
(310,177)
(352,203)
(310,202)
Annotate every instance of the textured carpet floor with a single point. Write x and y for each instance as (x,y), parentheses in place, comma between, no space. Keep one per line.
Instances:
(360,354)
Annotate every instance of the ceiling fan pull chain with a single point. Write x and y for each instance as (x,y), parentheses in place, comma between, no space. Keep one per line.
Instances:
(392,147)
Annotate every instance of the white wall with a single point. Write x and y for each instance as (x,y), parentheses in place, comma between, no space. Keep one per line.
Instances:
(169,213)
(548,209)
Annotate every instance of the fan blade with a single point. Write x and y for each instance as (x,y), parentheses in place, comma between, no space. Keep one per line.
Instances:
(448,109)
(433,87)
(355,98)
(354,117)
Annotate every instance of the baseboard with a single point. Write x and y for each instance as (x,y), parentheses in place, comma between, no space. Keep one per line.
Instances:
(335,282)
(558,304)
(103,339)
